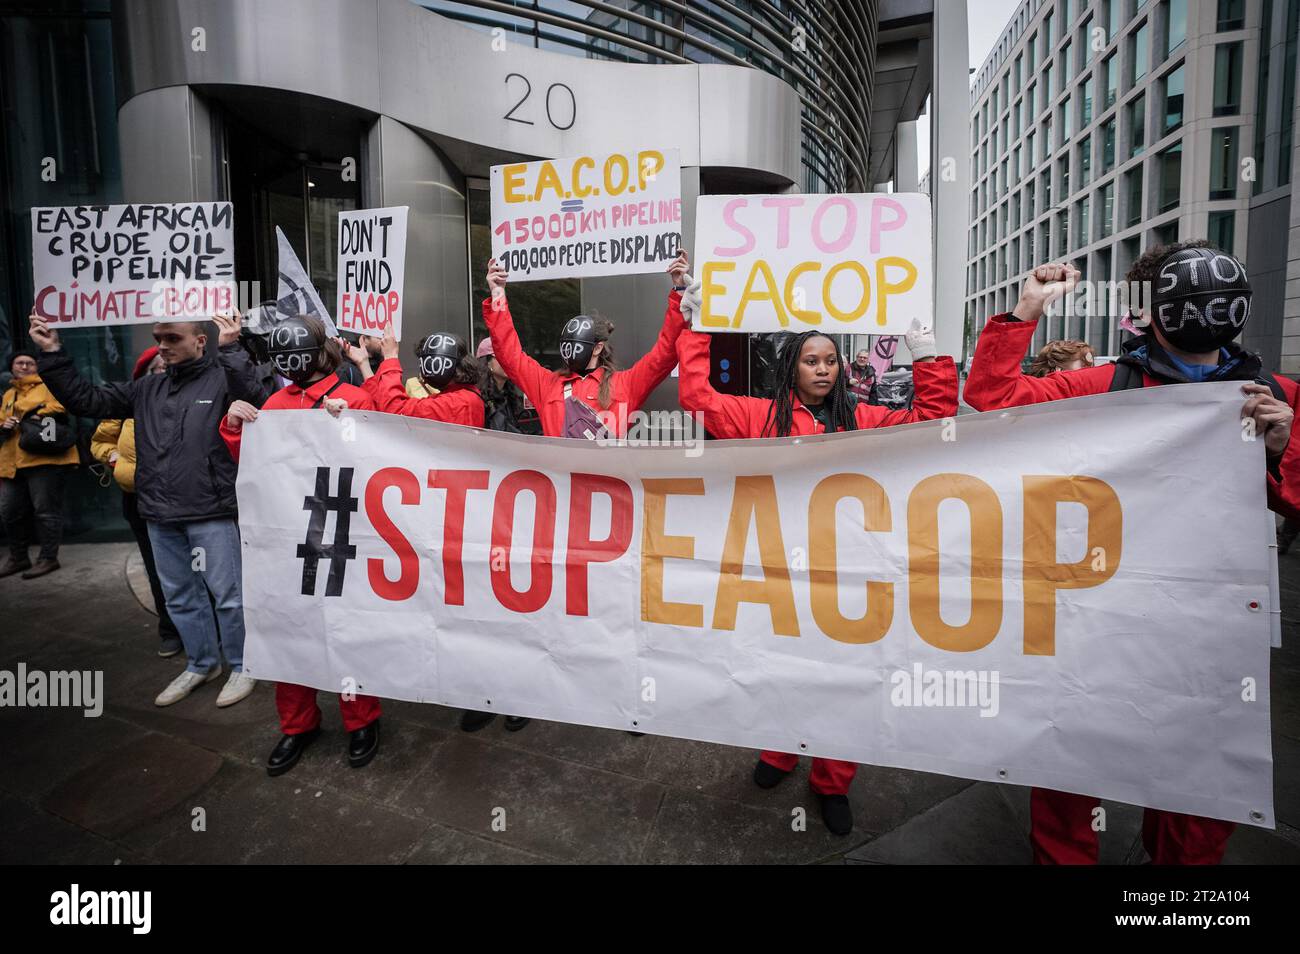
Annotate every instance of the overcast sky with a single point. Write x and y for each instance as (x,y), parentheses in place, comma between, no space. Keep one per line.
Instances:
(985,21)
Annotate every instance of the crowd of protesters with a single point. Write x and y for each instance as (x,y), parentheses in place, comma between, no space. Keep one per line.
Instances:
(172,434)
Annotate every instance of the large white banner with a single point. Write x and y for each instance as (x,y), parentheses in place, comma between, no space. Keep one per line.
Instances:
(585,216)
(843,264)
(98,265)
(1042,596)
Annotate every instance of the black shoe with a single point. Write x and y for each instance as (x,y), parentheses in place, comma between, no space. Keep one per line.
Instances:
(836,814)
(515,723)
(768,776)
(288,750)
(10,566)
(363,745)
(169,646)
(41,568)
(471,720)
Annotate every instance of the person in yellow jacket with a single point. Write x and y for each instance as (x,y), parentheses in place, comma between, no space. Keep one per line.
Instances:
(114,446)
(34,469)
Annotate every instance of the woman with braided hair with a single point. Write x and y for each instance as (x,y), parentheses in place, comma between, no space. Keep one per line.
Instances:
(812,397)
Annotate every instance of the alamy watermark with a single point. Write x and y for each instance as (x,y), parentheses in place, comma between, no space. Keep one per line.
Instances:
(36,688)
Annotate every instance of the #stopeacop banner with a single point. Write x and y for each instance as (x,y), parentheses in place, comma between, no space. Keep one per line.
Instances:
(1040,596)
(588,216)
(128,264)
(855,263)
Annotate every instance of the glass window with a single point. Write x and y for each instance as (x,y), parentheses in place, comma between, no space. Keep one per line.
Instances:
(1081,223)
(1067,64)
(1137,124)
(1063,174)
(1170,171)
(1029,202)
(1067,117)
(1085,111)
(1046,181)
(1062,236)
(1223,162)
(1019,74)
(1167,234)
(1227,79)
(1110,77)
(1133,196)
(1232,14)
(1030,47)
(1112,19)
(1220,230)
(1067,13)
(1085,161)
(1173,86)
(1085,42)
(1106,210)
(1047,86)
(1140,53)
(1175,25)
(1108,145)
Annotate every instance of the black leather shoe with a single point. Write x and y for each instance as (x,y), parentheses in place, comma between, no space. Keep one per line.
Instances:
(363,745)
(10,566)
(288,750)
(767,776)
(471,720)
(515,723)
(836,814)
(41,568)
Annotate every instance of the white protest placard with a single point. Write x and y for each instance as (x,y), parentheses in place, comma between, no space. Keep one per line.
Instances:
(843,264)
(371,270)
(128,264)
(1044,596)
(619,214)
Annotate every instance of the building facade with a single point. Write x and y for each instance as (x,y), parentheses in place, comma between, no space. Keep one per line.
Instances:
(297,110)
(1099,128)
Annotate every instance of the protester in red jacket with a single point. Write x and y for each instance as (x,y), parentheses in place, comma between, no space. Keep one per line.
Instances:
(569,402)
(301,352)
(1200,301)
(812,398)
(445,366)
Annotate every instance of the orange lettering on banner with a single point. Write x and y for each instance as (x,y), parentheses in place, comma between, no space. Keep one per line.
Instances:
(582,549)
(408,564)
(657,546)
(754,501)
(823,570)
(1043,576)
(503,531)
(985,562)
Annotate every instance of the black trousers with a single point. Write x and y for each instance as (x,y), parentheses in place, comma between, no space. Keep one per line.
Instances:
(34,497)
(166,628)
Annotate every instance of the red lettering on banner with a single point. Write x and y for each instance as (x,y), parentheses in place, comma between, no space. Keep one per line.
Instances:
(408,577)
(583,550)
(458,484)
(503,529)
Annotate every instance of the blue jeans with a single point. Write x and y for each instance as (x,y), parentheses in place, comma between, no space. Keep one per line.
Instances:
(193,559)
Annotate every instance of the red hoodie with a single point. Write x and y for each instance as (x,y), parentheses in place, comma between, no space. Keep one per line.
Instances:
(294,397)
(627,391)
(995,382)
(730,416)
(458,404)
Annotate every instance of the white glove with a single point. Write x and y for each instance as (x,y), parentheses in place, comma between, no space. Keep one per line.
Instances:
(691,300)
(920,340)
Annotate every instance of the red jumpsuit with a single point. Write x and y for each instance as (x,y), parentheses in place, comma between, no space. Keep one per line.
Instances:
(1061,822)
(628,389)
(730,416)
(297,704)
(457,404)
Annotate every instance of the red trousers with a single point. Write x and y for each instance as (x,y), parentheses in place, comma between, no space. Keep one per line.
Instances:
(299,712)
(1061,832)
(829,776)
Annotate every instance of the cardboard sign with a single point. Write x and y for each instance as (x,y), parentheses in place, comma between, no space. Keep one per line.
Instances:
(372,268)
(844,264)
(99,265)
(619,214)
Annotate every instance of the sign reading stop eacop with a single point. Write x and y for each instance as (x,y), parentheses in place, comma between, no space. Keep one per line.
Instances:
(844,264)
(371,270)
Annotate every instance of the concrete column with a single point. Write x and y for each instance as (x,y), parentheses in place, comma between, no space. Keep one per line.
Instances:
(950,172)
(905,177)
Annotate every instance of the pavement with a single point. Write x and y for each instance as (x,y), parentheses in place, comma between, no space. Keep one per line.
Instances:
(186,784)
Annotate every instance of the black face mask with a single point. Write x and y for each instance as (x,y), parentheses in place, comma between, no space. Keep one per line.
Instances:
(1201,299)
(578,343)
(295,350)
(439,355)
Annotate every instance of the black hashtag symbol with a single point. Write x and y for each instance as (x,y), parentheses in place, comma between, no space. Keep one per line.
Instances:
(340,551)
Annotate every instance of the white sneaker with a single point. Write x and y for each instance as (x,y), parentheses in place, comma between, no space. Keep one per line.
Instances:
(237,688)
(183,685)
